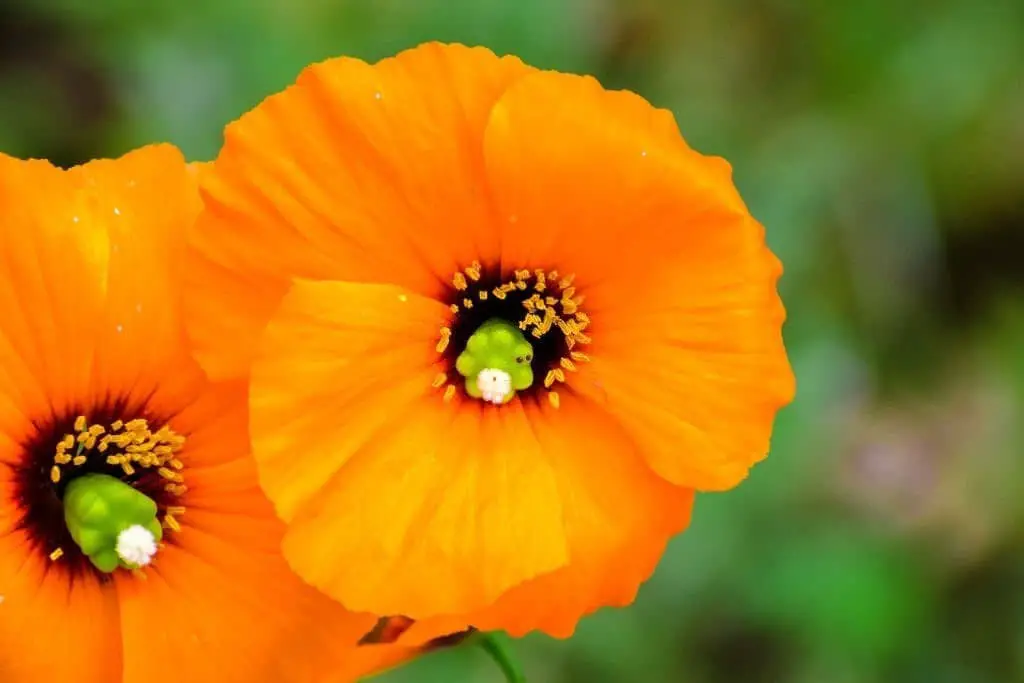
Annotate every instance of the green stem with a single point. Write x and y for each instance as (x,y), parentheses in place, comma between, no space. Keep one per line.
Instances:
(498,646)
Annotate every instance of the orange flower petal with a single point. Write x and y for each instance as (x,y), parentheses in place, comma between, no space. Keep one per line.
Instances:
(221,586)
(618,516)
(370,660)
(229,613)
(579,173)
(362,351)
(338,177)
(687,351)
(414,506)
(52,629)
(77,303)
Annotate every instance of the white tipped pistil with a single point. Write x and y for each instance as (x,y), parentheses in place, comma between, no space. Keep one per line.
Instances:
(495,385)
(136,545)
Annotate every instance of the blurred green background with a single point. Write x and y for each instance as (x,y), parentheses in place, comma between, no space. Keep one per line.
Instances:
(881,142)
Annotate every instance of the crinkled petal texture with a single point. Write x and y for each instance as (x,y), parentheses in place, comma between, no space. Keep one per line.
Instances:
(90,311)
(335,216)
(221,596)
(357,172)
(687,346)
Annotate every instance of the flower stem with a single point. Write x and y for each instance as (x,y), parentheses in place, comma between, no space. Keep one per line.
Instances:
(498,646)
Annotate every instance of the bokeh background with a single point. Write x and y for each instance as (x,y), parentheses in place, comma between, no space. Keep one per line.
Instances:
(880,141)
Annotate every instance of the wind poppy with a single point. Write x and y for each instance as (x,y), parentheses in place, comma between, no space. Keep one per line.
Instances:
(499,324)
(135,543)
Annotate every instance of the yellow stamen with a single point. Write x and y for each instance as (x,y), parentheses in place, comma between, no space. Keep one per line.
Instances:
(56,554)
(140,447)
(171,522)
(449,393)
(446,336)
(439,381)
(170,474)
(553,399)
(459,280)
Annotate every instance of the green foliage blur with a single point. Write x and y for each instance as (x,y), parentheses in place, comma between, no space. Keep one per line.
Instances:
(882,144)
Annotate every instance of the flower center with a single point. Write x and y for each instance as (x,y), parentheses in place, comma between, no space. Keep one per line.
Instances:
(107,494)
(509,330)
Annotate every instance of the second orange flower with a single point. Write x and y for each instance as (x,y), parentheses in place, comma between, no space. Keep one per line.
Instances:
(499,324)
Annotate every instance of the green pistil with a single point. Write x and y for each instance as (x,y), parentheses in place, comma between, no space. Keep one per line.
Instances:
(497,345)
(98,509)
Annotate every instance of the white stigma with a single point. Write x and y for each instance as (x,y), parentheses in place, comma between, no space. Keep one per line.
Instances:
(495,385)
(136,545)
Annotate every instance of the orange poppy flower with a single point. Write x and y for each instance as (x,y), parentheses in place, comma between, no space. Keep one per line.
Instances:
(135,543)
(499,324)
